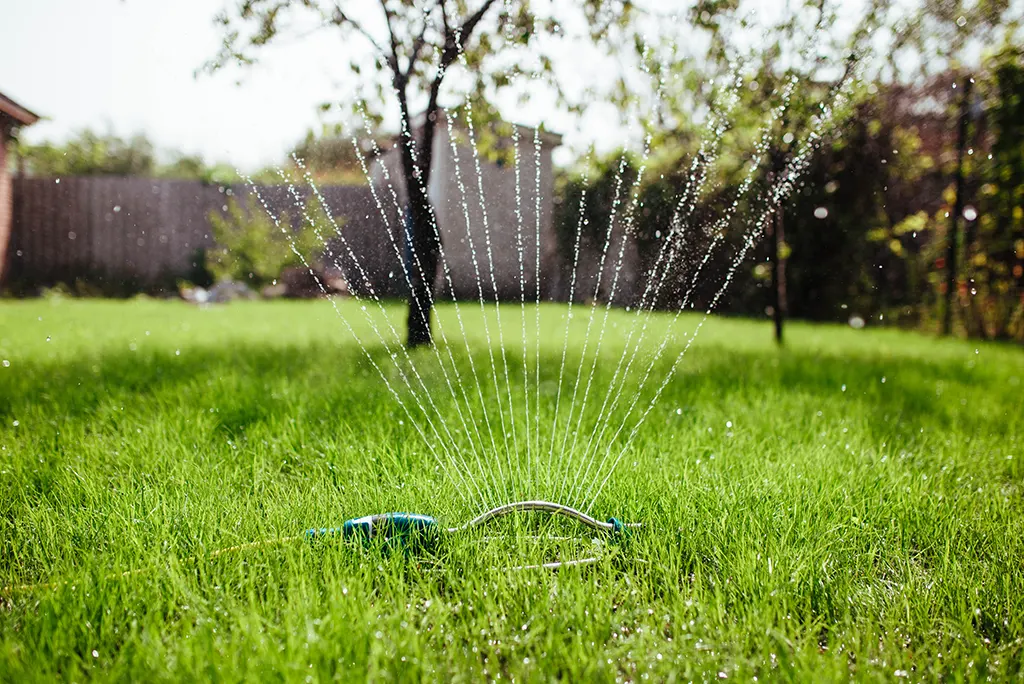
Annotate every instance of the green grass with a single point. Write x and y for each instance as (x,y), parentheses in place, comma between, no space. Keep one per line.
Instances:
(871,532)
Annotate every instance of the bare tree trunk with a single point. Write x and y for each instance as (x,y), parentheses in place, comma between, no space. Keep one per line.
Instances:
(424,247)
(424,237)
(424,244)
(958,209)
(778,247)
(777,252)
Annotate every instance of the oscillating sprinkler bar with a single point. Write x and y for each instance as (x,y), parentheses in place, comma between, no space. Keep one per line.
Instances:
(406,525)
(612,524)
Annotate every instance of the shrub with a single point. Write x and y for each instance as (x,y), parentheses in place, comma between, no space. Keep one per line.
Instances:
(254,250)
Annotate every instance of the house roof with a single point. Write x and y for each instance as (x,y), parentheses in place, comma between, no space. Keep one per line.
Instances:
(12,110)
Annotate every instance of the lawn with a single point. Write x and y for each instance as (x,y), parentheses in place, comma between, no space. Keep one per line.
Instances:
(849,506)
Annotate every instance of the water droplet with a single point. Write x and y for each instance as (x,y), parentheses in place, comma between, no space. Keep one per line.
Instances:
(844,388)
(95,653)
(7,364)
(728,423)
(16,423)
(47,338)
(820,213)
(177,352)
(679,411)
(961,21)
(117,210)
(787,138)
(970,213)
(883,379)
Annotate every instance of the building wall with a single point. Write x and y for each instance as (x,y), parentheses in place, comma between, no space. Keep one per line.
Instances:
(6,204)
(488,246)
(490,226)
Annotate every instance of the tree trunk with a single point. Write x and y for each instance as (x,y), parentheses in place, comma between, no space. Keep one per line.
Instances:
(958,209)
(422,236)
(424,252)
(778,275)
(777,251)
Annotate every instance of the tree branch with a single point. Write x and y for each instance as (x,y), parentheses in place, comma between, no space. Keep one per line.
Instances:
(470,24)
(454,43)
(444,17)
(393,60)
(418,44)
(340,18)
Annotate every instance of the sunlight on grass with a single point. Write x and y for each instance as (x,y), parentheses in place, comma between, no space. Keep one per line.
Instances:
(850,505)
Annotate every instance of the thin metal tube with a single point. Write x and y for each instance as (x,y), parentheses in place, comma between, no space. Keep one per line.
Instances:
(546,506)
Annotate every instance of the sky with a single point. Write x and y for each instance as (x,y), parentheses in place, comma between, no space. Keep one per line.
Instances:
(127,66)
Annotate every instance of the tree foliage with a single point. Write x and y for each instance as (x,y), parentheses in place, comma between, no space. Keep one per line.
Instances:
(333,159)
(87,153)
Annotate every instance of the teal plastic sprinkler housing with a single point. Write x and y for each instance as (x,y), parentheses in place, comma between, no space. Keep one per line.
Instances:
(389,526)
(412,528)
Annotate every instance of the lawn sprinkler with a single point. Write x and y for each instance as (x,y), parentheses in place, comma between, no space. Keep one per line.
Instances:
(414,529)
(407,530)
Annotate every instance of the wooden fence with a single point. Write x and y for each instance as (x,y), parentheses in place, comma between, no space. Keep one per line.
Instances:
(137,234)
(120,236)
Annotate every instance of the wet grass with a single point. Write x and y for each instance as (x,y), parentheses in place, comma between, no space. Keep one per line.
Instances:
(850,506)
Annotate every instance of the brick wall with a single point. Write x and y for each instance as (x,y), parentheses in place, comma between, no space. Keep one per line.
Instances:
(6,203)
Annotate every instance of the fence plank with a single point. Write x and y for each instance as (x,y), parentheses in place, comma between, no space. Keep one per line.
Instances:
(143,234)
(140,234)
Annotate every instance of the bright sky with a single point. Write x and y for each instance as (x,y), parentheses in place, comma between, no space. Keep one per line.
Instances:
(126,66)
